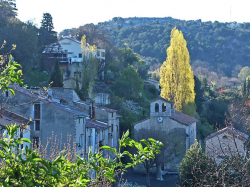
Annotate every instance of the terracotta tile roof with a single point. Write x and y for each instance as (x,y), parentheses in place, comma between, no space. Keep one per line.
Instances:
(7,118)
(96,124)
(182,118)
(45,99)
(68,109)
(104,108)
(141,121)
(160,98)
(29,93)
(231,131)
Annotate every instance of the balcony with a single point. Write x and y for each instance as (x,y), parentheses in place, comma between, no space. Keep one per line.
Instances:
(76,59)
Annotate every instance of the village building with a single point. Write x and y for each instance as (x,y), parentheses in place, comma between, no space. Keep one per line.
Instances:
(226,142)
(10,118)
(68,52)
(176,126)
(54,113)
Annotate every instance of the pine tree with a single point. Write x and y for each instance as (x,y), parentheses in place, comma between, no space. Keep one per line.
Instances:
(176,76)
(47,23)
(56,76)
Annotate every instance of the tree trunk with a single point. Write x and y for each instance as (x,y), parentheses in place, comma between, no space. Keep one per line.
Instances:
(147,173)
(159,172)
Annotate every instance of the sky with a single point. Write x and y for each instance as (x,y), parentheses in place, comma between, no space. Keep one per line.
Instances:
(74,13)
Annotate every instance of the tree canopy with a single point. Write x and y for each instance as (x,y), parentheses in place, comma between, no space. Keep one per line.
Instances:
(47,22)
(131,84)
(57,76)
(176,76)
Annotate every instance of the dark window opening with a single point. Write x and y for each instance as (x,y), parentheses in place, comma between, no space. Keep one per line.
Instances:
(156,107)
(112,114)
(163,107)
(37,111)
(35,142)
(80,55)
(7,93)
(37,125)
(103,54)
(98,53)
(112,126)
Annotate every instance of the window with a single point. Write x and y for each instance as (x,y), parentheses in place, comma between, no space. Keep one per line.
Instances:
(35,141)
(156,107)
(112,126)
(89,141)
(37,111)
(98,53)
(7,93)
(77,75)
(103,135)
(80,55)
(64,55)
(103,54)
(163,107)
(112,114)
(37,125)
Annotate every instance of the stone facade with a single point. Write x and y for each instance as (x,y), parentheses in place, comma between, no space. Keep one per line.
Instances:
(226,142)
(60,113)
(176,126)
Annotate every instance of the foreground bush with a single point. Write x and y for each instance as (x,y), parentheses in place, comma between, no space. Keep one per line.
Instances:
(25,167)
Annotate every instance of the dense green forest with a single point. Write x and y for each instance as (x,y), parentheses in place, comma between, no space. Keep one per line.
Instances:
(221,45)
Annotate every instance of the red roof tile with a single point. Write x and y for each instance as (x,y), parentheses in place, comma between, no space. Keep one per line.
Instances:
(231,131)
(96,124)
(8,117)
(182,118)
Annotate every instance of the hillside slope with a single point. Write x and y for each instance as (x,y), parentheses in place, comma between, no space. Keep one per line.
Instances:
(221,45)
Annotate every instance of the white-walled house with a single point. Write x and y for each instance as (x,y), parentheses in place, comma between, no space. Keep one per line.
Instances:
(69,53)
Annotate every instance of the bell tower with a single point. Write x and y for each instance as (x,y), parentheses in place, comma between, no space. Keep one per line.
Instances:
(160,107)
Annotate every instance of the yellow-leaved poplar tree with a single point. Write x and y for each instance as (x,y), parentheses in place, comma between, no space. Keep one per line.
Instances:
(89,70)
(176,76)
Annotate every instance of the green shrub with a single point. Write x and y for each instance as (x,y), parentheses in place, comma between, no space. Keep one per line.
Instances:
(25,167)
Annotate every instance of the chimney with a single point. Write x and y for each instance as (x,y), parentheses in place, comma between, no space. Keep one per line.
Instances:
(91,110)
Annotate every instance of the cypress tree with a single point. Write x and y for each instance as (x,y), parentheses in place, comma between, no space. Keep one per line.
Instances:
(56,76)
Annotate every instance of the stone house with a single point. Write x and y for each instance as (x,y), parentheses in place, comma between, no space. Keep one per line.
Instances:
(177,128)
(95,112)
(226,142)
(55,113)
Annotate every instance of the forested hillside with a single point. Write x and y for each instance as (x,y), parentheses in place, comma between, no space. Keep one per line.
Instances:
(221,45)
(29,41)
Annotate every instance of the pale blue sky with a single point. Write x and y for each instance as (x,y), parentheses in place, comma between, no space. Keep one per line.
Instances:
(73,13)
